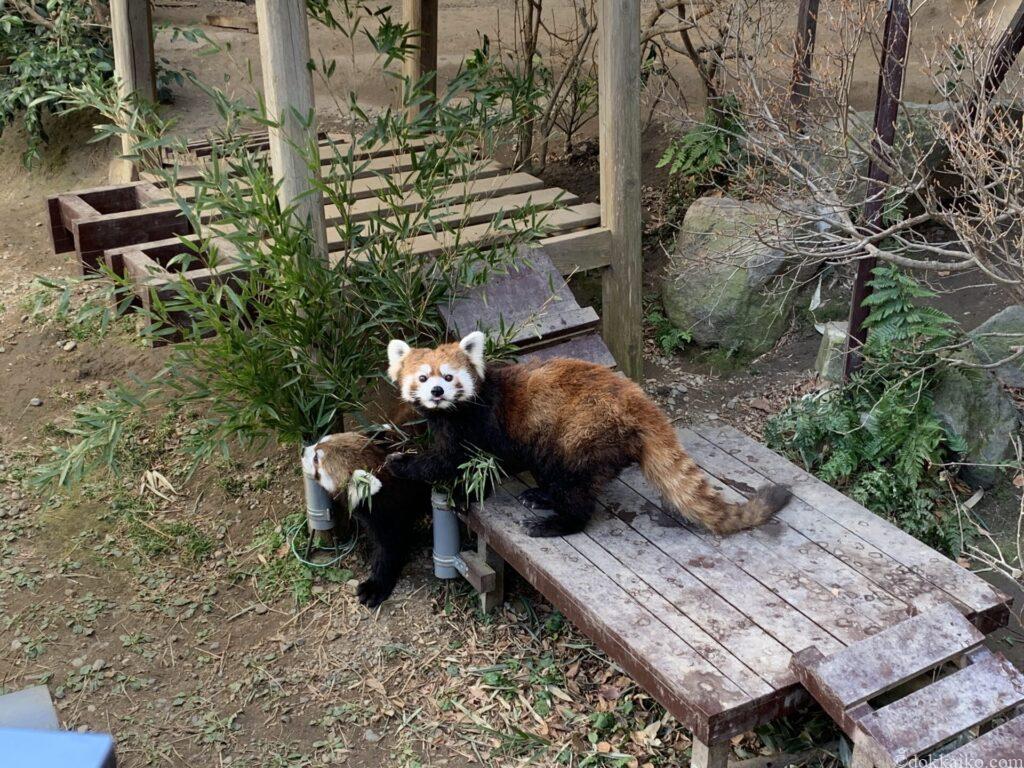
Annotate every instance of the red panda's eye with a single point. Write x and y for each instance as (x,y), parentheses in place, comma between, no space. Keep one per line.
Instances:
(448,377)
(423,379)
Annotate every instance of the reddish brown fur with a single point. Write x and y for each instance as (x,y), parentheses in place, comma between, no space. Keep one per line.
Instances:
(592,421)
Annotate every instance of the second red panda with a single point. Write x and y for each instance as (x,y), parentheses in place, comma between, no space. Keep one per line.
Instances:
(574,425)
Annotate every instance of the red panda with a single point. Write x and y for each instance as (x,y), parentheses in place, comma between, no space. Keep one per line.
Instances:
(574,425)
(342,462)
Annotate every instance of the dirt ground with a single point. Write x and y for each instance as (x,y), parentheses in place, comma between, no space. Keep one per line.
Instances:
(179,623)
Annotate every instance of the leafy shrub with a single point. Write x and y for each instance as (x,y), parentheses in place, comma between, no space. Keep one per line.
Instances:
(44,48)
(877,437)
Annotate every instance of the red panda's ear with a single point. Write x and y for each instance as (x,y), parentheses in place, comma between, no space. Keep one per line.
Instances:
(397,350)
(473,346)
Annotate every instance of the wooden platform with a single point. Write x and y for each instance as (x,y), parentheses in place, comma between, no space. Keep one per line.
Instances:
(709,625)
(484,208)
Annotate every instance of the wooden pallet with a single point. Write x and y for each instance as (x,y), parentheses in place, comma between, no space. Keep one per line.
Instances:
(709,625)
(979,688)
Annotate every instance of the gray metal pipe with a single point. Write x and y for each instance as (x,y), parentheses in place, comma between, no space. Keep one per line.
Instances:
(318,505)
(447,563)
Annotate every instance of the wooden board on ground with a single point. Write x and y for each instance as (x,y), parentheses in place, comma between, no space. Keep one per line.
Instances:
(532,305)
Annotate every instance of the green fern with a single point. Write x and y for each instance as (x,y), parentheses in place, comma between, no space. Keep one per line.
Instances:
(709,148)
(877,437)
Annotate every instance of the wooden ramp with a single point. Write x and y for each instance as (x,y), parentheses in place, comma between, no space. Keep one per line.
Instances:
(710,625)
(968,694)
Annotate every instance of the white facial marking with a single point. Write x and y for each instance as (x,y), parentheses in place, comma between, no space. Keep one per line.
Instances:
(308,467)
(361,486)
(397,350)
(473,345)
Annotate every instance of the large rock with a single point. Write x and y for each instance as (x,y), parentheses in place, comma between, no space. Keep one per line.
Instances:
(994,341)
(722,284)
(972,404)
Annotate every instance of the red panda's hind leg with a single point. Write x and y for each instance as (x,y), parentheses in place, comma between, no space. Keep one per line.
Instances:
(572,504)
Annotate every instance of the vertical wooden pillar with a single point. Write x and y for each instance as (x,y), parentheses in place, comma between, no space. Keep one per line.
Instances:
(806,31)
(131,27)
(288,92)
(1007,49)
(421,16)
(893,66)
(618,62)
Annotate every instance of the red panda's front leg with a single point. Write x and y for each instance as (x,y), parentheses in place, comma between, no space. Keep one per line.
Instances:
(433,466)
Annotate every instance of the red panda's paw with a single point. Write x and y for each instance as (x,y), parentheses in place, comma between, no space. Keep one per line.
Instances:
(372,592)
(535,498)
(553,525)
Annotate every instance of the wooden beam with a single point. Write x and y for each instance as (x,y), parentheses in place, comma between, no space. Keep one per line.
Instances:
(806,31)
(131,28)
(893,66)
(618,56)
(1007,50)
(421,16)
(288,91)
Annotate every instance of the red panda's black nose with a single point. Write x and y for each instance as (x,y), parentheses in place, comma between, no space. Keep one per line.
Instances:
(437,391)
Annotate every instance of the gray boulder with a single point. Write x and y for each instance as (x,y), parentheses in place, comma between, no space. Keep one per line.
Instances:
(973,405)
(722,284)
(991,348)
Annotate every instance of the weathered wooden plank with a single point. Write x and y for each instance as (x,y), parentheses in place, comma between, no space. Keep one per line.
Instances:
(961,585)
(692,554)
(334,155)
(580,251)
(886,660)
(530,284)
(739,636)
(930,716)
(359,189)
(875,607)
(482,235)
(455,214)
(1002,742)
(671,616)
(872,563)
(780,569)
(684,682)
(589,346)
(463,191)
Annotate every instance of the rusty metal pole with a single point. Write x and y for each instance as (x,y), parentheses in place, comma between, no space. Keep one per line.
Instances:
(892,68)
(806,31)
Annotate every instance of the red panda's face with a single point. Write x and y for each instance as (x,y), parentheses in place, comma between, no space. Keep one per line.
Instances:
(438,378)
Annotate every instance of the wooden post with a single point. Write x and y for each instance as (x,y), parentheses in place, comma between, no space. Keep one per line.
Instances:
(619,135)
(1007,50)
(421,16)
(131,27)
(806,30)
(895,41)
(494,597)
(288,91)
(710,755)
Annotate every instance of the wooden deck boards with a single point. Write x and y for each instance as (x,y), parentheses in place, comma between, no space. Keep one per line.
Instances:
(826,573)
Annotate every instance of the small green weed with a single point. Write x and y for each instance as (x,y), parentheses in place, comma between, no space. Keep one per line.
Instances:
(669,338)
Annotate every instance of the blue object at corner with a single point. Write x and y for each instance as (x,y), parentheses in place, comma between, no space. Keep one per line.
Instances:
(22,748)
